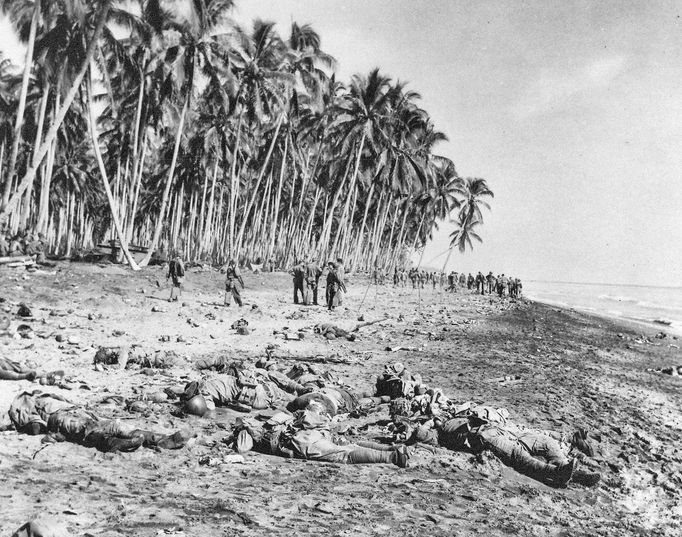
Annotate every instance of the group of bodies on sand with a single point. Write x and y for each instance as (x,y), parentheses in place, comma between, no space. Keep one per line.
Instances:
(454,281)
(302,411)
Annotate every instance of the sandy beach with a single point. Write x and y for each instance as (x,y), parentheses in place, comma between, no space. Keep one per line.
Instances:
(563,370)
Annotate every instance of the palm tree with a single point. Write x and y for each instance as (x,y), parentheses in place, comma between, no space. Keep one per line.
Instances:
(18,13)
(470,215)
(101,18)
(194,50)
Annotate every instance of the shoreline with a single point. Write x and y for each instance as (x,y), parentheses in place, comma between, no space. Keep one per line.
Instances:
(628,322)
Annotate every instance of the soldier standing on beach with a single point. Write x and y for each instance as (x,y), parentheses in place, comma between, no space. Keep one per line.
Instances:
(232,276)
(334,287)
(490,279)
(312,278)
(298,272)
(341,274)
(176,272)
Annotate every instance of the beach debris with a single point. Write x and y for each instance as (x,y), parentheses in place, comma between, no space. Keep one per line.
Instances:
(241,326)
(42,526)
(25,331)
(507,379)
(24,311)
(331,331)
(670,370)
(663,322)
(158,309)
(112,356)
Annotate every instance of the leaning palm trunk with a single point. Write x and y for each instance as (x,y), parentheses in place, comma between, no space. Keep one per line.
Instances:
(278,197)
(252,200)
(43,211)
(22,104)
(105,181)
(10,205)
(166,191)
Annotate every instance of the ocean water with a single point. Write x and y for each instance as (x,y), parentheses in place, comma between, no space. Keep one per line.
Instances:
(638,303)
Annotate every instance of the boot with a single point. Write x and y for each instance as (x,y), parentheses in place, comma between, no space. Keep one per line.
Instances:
(586,478)
(565,472)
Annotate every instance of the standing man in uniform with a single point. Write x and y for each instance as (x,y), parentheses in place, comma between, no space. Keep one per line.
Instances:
(312,278)
(341,274)
(334,287)
(232,277)
(176,272)
(298,272)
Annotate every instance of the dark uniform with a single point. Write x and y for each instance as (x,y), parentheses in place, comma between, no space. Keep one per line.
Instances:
(299,276)
(334,287)
(176,272)
(232,277)
(312,277)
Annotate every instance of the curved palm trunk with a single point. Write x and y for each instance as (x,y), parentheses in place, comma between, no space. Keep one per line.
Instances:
(278,198)
(166,191)
(107,188)
(22,103)
(10,205)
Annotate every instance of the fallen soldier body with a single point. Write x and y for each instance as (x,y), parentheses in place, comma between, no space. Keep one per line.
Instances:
(306,435)
(331,331)
(396,381)
(11,370)
(537,454)
(245,389)
(40,413)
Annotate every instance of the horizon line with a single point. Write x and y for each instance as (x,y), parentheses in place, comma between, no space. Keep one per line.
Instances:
(609,284)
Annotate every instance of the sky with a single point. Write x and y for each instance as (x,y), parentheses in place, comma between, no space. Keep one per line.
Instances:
(571,110)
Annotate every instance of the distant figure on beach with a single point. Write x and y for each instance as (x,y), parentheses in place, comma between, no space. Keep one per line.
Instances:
(232,277)
(334,286)
(341,274)
(470,282)
(176,272)
(312,278)
(490,279)
(480,283)
(298,273)
(502,282)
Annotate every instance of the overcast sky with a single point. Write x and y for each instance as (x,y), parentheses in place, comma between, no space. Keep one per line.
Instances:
(572,111)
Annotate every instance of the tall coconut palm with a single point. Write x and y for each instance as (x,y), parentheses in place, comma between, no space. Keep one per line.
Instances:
(18,13)
(194,50)
(100,19)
